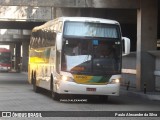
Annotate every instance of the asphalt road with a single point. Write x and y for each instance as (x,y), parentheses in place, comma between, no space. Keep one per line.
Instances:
(17,95)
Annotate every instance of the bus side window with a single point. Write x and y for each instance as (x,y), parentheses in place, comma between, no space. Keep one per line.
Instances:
(53,38)
(58,61)
(34,43)
(45,39)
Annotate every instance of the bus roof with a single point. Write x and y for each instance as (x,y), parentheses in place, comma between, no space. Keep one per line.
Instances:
(88,19)
(80,19)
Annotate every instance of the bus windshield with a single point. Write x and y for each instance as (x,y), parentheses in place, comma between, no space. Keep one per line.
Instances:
(91,56)
(89,29)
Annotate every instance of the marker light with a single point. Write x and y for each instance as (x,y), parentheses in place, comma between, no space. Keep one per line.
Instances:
(65,78)
(115,81)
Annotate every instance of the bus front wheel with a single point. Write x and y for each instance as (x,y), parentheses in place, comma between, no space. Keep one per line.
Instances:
(55,96)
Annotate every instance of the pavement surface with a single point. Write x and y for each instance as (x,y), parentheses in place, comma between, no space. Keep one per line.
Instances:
(132,92)
(17,95)
(148,95)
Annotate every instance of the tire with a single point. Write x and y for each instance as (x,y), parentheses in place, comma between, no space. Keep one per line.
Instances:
(35,87)
(32,77)
(55,96)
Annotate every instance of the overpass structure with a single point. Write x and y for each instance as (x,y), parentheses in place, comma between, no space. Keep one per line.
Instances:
(139,20)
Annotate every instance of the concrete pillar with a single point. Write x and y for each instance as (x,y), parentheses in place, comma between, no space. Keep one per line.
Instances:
(53,13)
(17,56)
(59,12)
(12,47)
(146,41)
(25,49)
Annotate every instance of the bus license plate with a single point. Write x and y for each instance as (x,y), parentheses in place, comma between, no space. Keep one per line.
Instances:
(91,89)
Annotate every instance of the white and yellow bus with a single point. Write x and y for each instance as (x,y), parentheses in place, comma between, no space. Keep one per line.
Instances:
(77,55)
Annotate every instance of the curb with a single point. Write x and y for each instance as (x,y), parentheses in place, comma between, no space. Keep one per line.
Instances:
(133,94)
(150,96)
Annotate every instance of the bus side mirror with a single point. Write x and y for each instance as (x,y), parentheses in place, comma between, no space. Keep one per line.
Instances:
(126,45)
(59,41)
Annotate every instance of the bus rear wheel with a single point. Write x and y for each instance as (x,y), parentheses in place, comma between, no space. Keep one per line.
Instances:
(35,87)
(55,96)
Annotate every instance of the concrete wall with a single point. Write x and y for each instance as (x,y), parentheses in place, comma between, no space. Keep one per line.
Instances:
(157,73)
(156,54)
(129,69)
(133,4)
(25,13)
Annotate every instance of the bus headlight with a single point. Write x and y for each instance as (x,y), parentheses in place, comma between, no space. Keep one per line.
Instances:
(66,78)
(114,81)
